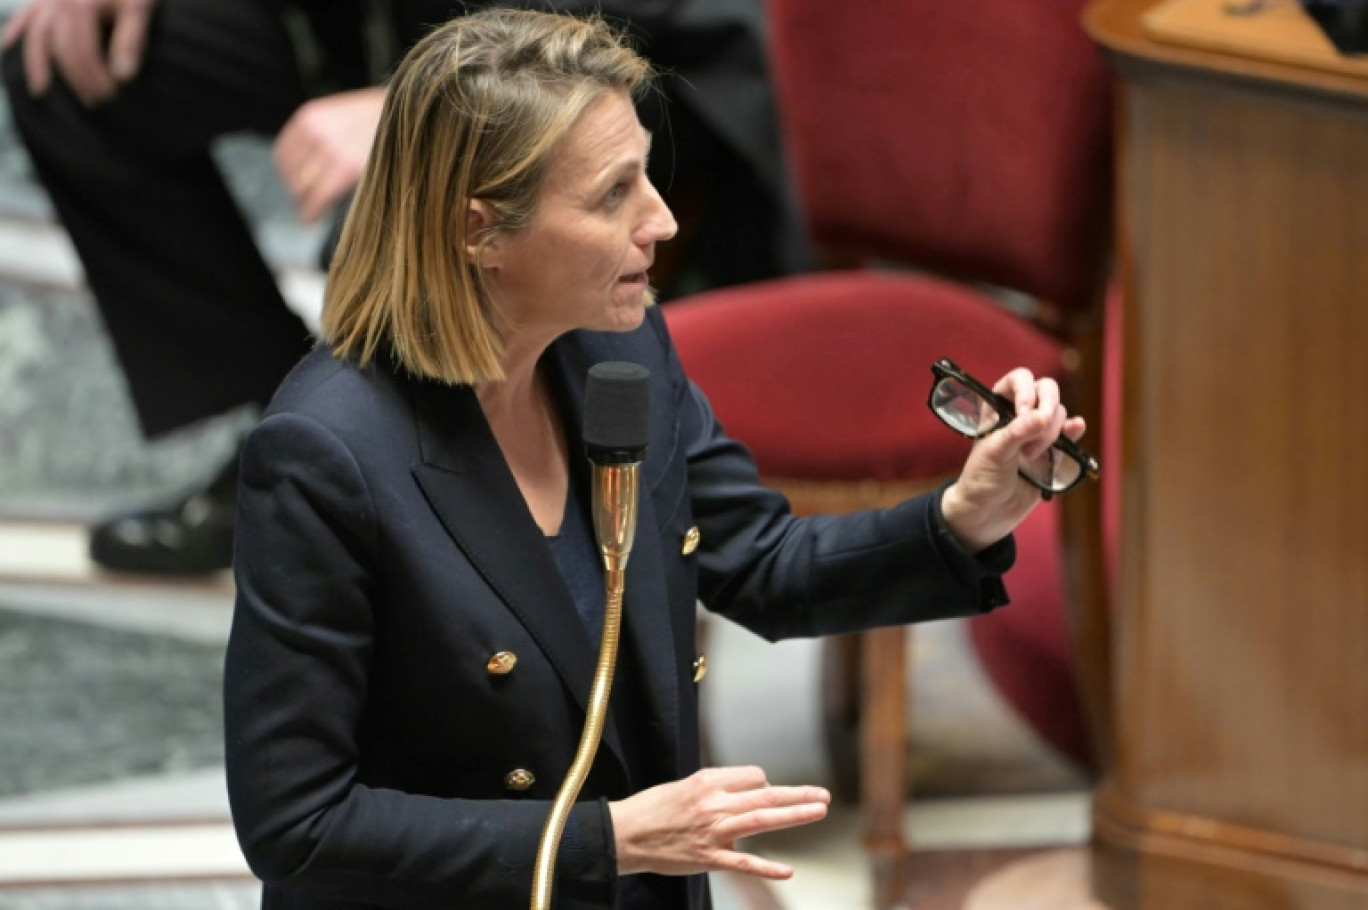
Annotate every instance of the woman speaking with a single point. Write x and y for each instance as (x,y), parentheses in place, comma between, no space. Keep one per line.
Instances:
(420,593)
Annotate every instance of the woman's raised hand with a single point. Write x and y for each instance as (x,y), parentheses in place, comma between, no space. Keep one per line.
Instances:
(989,499)
(692,825)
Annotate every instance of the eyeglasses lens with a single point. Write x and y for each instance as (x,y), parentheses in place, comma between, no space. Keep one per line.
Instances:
(1053,470)
(963,408)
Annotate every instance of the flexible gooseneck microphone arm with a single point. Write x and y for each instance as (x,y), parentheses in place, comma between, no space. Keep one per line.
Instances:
(616,427)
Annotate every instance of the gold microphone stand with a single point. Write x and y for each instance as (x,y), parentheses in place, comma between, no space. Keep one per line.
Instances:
(615,517)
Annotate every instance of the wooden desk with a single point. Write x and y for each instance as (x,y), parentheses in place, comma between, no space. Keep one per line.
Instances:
(1240,771)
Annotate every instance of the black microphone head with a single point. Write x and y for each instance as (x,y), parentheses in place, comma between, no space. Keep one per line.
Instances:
(617,412)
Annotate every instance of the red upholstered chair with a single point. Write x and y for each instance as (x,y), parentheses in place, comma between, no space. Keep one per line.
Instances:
(970,144)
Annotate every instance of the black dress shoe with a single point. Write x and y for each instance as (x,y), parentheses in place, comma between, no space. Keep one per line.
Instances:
(191,537)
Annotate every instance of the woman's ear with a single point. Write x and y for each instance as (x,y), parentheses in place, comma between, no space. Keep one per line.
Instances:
(479,225)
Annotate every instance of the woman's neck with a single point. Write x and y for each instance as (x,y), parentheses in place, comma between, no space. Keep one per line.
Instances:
(521,356)
(524,420)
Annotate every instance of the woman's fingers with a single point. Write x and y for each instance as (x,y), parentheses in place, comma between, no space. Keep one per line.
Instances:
(732,779)
(748,805)
(760,810)
(759,821)
(1046,394)
(1040,414)
(750,864)
(1044,428)
(767,797)
(990,498)
(1018,386)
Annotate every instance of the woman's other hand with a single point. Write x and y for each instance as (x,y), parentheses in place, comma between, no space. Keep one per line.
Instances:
(692,825)
(990,499)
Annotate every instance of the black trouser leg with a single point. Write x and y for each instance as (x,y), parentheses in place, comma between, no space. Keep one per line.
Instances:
(193,311)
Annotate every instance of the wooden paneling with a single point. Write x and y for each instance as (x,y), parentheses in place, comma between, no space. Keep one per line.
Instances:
(1240,772)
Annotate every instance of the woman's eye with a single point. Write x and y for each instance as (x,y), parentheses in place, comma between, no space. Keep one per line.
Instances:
(616,194)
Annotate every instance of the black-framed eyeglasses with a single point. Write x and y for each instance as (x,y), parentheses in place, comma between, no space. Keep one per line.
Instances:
(973,409)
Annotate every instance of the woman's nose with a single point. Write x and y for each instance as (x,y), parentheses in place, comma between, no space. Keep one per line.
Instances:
(659,223)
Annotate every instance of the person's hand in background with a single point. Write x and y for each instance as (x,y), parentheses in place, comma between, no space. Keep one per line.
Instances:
(69,34)
(322,148)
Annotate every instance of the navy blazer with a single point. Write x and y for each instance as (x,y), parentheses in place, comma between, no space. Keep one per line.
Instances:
(384,553)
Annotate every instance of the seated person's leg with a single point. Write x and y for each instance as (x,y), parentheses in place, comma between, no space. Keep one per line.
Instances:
(193,311)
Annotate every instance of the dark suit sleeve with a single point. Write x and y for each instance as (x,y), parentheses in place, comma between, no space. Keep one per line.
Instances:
(295,687)
(785,577)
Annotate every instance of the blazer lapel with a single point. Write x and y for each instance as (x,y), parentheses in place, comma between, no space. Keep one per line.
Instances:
(465,479)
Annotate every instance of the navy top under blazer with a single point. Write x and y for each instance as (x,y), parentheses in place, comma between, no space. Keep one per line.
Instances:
(384,553)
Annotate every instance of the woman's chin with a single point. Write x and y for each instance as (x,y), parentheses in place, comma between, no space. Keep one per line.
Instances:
(629,311)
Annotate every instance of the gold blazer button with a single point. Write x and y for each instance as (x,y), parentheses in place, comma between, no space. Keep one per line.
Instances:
(700,667)
(691,539)
(502,664)
(520,780)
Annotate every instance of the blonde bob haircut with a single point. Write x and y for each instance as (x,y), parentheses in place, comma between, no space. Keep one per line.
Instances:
(476,111)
